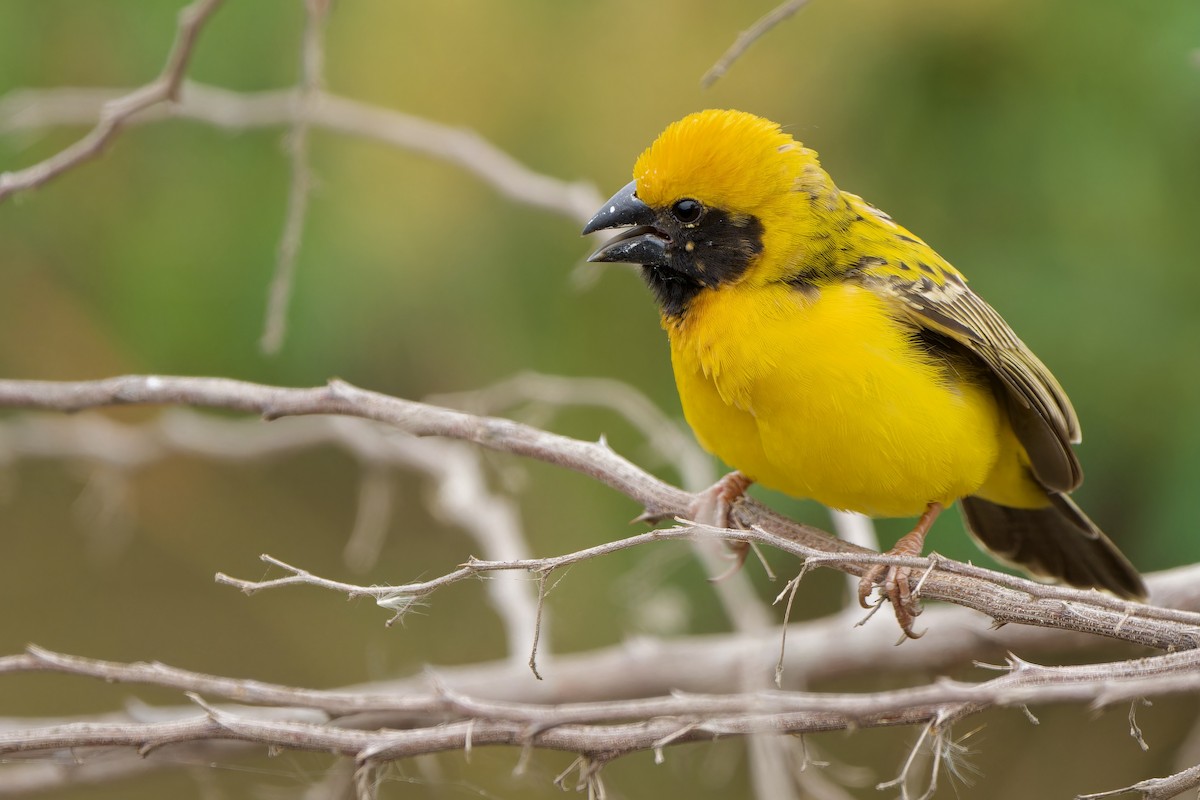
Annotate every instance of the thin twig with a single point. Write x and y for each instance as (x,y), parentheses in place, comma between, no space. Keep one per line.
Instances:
(543,576)
(748,37)
(115,113)
(312,59)
(1171,786)
(790,591)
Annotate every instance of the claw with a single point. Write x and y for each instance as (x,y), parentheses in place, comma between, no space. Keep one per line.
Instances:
(738,551)
(894,582)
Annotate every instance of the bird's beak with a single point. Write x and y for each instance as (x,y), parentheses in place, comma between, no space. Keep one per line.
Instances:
(643,244)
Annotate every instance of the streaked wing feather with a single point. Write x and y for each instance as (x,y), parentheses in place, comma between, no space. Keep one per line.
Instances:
(1042,416)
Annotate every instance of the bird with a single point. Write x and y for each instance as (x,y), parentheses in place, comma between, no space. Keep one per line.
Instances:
(821,349)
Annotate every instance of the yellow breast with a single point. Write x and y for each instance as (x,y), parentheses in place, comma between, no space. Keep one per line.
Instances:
(822,393)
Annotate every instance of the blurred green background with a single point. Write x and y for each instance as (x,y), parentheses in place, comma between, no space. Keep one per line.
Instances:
(1048,149)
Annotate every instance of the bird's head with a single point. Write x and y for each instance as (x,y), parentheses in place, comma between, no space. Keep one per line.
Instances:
(721,197)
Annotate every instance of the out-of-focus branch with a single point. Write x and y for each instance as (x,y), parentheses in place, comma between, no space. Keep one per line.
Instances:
(312,60)
(115,112)
(748,37)
(1003,598)
(441,719)
(32,109)
(47,777)
(462,495)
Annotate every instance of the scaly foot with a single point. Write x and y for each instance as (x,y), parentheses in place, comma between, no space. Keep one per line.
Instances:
(894,581)
(713,506)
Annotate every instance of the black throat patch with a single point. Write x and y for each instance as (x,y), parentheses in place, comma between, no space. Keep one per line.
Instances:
(715,251)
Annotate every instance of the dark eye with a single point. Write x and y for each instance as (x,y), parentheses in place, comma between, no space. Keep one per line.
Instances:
(687,210)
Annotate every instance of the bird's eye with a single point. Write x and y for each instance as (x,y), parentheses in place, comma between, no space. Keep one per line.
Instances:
(687,210)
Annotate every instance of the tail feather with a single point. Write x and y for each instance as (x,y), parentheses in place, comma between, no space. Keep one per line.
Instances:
(1057,541)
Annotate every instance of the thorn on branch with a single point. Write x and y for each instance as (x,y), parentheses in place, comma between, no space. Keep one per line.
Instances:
(651,516)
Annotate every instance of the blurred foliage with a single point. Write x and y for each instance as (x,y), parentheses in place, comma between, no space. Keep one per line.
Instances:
(1046,148)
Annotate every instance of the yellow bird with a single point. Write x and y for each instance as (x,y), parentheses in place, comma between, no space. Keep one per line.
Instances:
(823,350)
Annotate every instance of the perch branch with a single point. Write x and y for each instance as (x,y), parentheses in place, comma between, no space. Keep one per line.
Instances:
(666,439)
(1004,598)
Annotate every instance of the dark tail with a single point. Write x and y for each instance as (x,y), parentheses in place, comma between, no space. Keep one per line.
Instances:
(1057,541)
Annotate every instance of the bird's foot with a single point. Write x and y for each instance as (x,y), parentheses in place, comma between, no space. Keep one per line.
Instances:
(713,506)
(895,582)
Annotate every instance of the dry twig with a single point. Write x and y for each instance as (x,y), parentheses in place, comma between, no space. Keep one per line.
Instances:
(116,112)
(440,717)
(312,59)
(1155,788)
(748,37)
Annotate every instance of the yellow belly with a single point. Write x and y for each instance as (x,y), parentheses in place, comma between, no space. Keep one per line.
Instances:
(821,394)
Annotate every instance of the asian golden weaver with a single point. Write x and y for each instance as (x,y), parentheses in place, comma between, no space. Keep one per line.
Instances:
(823,350)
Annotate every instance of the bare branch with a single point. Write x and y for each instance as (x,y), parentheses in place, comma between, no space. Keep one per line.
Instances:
(400,597)
(371,520)
(1022,684)
(312,59)
(116,112)
(444,720)
(1004,598)
(748,37)
(27,779)
(666,438)
(1155,788)
(31,109)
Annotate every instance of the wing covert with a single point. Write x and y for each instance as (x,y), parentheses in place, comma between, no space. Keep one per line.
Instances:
(1041,414)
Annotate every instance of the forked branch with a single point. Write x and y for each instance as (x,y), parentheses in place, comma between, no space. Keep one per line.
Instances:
(115,113)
